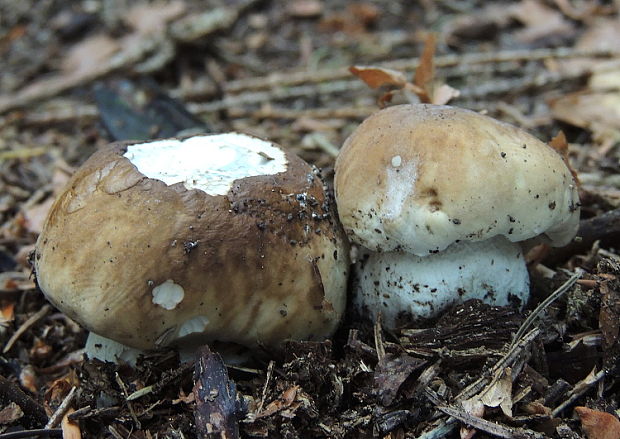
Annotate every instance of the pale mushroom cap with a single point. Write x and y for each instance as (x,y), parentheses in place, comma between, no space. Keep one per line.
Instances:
(421,177)
(145,263)
(404,287)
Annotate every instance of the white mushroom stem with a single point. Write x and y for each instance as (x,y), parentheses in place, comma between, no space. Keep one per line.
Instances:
(108,350)
(403,287)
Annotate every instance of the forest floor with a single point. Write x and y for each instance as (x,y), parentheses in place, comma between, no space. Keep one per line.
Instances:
(280,70)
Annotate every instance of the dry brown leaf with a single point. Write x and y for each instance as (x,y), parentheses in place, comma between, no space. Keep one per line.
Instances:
(500,393)
(70,430)
(10,413)
(35,215)
(7,313)
(598,425)
(304,8)
(475,407)
(87,55)
(540,21)
(355,20)
(536,408)
(602,34)
(28,379)
(560,144)
(425,73)
(153,17)
(598,112)
(444,94)
(376,77)
(285,401)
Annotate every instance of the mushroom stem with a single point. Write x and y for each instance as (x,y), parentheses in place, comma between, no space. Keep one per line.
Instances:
(404,287)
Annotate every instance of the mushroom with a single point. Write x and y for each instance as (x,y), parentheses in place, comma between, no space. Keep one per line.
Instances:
(214,237)
(441,197)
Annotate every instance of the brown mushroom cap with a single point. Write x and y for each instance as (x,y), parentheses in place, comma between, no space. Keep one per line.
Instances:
(421,177)
(145,263)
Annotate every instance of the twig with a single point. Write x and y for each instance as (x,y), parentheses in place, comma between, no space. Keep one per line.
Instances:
(442,430)
(544,304)
(295,78)
(483,383)
(167,379)
(44,432)
(265,387)
(378,335)
(62,409)
(129,404)
(507,360)
(482,424)
(580,388)
(25,326)
(33,411)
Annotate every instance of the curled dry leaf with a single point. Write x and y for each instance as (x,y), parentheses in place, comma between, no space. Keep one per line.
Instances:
(87,55)
(560,144)
(70,430)
(500,393)
(147,18)
(540,21)
(10,413)
(287,403)
(425,73)
(376,77)
(598,425)
(424,85)
(474,407)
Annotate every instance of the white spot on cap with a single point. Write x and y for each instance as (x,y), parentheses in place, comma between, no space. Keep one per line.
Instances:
(168,295)
(399,186)
(396,161)
(196,324)
(209,163)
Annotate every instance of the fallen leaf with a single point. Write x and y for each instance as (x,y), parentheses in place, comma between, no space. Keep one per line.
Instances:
(601,34)
(425,73)
(304,8)
(540,21)
(70,429)
(474,407)
(598,112)
(598,425)
(40,349)
(444,94)
(153,17)
(288,402)
(28,379)
(10,413)
(560,144)
(376,77)
(35,215)
(390,373)
(87,55)
(7,313)
(500,393)
(355,20)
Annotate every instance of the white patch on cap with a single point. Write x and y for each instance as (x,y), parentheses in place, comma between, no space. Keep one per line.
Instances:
(196,324)
(396,161)
(399,186)
(168,295)
(209,163)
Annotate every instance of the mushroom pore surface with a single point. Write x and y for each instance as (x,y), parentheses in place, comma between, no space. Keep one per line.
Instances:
(146,254)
